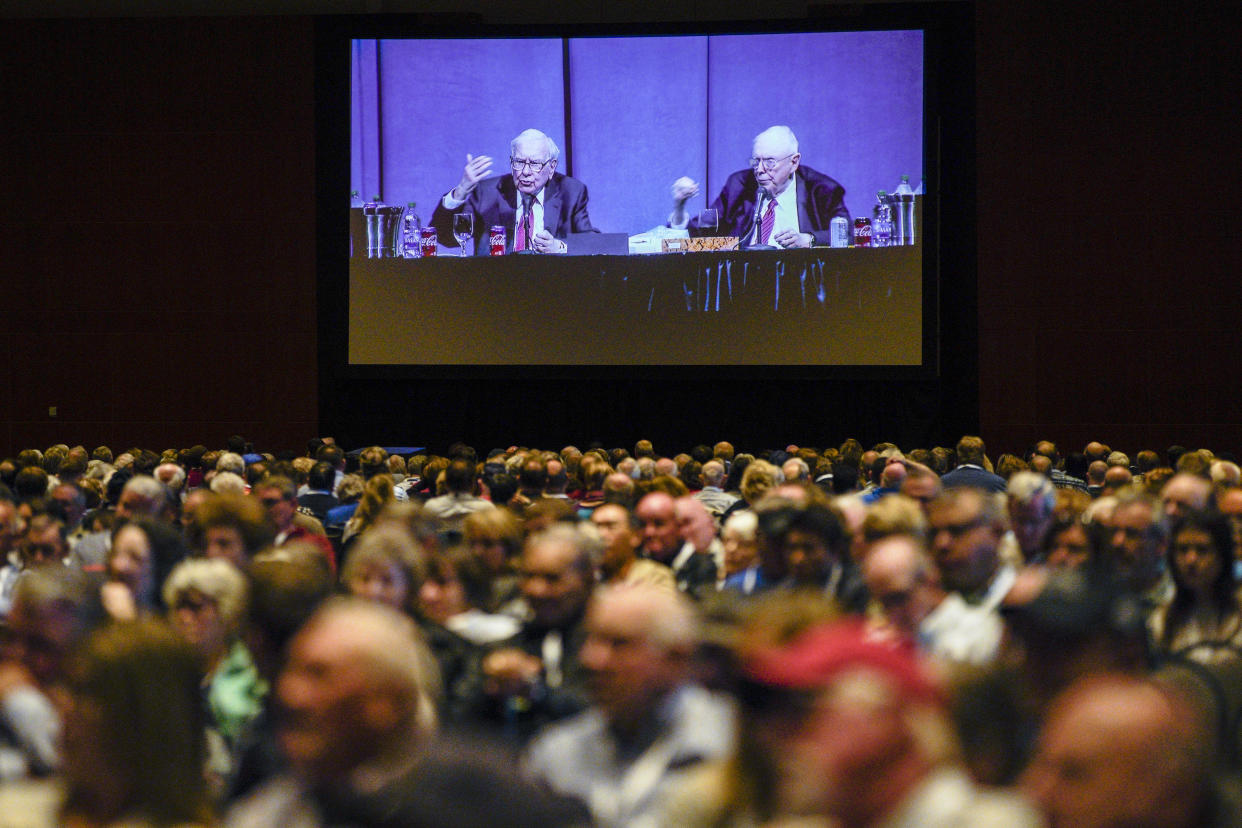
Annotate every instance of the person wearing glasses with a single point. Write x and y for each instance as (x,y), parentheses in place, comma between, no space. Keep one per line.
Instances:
(777,202)
(537,206)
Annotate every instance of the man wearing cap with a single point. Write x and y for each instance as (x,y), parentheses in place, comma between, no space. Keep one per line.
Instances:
(859,735)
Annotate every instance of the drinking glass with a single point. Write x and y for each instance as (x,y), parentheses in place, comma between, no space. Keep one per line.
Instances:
(709,220)
(463,228)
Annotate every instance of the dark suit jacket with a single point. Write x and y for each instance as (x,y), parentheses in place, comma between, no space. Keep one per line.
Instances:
(974,477)
(495,200)
(820,199)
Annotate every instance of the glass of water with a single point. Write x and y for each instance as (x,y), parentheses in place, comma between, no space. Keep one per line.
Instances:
(463,228)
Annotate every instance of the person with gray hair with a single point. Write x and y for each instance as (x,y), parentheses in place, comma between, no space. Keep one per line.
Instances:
(1030,499)
(537,205)
(358,694)
(648,725)
(206,600)
(777,202)
(713,495)
(231,462)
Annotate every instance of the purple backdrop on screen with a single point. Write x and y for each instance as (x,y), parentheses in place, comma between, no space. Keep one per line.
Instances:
(640,121)
(643,111)
(854,99)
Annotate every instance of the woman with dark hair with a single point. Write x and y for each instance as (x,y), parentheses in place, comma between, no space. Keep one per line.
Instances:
(1204,618)
(455,594)
(142,554)
(133,732)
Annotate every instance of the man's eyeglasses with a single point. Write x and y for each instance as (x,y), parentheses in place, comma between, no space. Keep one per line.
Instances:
(769,164)
(535,166)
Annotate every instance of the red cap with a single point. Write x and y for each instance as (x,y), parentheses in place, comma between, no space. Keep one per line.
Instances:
(822,653)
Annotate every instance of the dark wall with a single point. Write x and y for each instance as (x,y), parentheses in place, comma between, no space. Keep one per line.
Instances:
(153,295)
(1108,260)
(147,294)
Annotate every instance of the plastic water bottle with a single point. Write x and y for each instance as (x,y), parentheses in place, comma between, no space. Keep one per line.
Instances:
(411,230)
(882,226)
(904,198)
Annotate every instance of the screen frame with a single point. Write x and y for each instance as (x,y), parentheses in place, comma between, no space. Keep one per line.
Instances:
(949,313)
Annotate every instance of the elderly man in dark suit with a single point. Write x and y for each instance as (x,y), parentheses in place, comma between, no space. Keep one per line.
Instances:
(537,206)
(778,202)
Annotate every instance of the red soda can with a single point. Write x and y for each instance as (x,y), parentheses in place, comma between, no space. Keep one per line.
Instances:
(427,241)
(497,238)
(862,232)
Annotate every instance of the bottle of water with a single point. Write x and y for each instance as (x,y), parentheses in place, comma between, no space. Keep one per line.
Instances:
(904,198)
(882,226)
(411,231)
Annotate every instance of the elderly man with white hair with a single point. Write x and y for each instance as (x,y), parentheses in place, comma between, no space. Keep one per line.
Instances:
(777,202)
(538,206)
(358,695)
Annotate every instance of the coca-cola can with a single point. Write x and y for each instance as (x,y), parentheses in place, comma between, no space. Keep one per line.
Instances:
(427,241)
(496,237)
(839,232)
(862,232)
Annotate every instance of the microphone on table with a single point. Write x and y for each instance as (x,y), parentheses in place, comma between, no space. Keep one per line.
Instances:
(754,225)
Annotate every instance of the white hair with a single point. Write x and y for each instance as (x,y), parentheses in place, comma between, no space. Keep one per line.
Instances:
(171,475)
(146,487)
(1027,487)
(227,482)
(553,150)
(782,134)
(213,578)
(231,462)
(745,523)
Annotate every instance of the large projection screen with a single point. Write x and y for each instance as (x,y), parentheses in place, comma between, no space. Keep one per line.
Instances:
(631,114)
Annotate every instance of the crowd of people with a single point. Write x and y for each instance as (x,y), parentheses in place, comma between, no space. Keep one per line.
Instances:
(617,637)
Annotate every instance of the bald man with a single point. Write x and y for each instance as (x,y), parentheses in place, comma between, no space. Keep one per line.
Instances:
(1122,751)
(777,202)
(648,725)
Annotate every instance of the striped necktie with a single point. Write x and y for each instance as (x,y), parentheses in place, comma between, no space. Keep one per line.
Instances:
(769,219)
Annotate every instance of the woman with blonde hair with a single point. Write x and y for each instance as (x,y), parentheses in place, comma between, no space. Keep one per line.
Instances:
(378,492)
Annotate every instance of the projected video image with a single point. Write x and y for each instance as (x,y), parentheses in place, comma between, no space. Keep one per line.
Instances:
(637,200)
(634,139)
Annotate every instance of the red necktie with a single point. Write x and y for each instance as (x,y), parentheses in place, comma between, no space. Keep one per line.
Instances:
(769,219)
(523,235)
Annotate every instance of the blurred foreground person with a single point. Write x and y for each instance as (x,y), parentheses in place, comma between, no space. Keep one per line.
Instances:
(356,701)
(134,739)
(648,725)
(53,608)
(856,733)
(1122,751)
(537,677)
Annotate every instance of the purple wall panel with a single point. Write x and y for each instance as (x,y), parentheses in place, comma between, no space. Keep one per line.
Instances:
(364,164)
(639,122)
(854,99)
(442,99)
